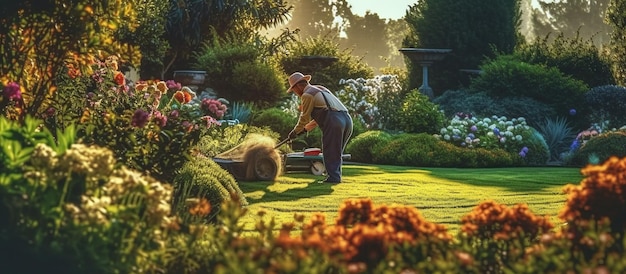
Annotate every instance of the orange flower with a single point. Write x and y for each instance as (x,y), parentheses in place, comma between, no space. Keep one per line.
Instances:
(119,78)
(161,86)
(183,97)
(141,86)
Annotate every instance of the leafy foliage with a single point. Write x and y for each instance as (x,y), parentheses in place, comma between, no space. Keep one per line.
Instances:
(506,77)
(615,17)
(418,114)
(603,146)
(190,23)
(426,150)
(363,146)
(201,179)
(472,29)
(275,119)
(79,204)
(607,105)
(345,67)
(572,56)
(33,48)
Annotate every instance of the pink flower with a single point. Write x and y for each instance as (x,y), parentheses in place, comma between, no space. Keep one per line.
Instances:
(159,118)
(12,92)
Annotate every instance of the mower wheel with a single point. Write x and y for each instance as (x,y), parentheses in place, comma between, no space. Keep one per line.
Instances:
(265,168)
(318,168)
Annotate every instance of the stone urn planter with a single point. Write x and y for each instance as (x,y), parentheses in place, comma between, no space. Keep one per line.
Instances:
(425,57)
(191,78)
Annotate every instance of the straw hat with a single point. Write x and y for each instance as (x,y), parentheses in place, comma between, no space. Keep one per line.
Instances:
(297,77)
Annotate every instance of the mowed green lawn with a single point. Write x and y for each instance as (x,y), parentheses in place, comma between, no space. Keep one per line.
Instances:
(442,195)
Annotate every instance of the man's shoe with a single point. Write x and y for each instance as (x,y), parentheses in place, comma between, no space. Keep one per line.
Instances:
(331,182)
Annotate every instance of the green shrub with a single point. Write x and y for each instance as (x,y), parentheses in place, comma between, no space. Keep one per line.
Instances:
(464,101)
(572,56)
(82,212)
(601,147)
(362,146)
(418,114)
(532,110)
(276,119)
(428,151)
(506,77)
(237,72)
(347,66)
(203,178)
(607,105)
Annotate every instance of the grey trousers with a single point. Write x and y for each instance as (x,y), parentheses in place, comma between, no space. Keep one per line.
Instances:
(336,129)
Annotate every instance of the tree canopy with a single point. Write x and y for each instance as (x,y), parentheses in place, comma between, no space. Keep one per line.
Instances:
(473,29)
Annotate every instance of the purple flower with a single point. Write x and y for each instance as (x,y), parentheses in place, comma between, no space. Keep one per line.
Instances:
(140,118)
(574,145)
(496,131)
(572,112)
(525,149)
(471,135)
(473,128)
(12,92)
(522,154)
(159,119)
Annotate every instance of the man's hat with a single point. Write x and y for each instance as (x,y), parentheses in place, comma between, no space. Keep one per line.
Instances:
(297,77)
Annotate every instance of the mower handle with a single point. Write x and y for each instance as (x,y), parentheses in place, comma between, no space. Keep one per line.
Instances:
(287,140)
(282,142)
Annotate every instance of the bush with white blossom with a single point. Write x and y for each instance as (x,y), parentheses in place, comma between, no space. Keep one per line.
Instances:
(495,132)
(369,100)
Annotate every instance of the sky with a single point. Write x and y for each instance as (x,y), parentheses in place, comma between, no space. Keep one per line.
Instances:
(388,9)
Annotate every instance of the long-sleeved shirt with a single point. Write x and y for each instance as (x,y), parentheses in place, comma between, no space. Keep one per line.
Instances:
(311,98)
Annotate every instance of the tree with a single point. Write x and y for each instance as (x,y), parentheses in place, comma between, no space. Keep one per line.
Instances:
(616,17)
(582,18)
(316,18)
(360,33)
(473,29)
(37,37)
(192,22)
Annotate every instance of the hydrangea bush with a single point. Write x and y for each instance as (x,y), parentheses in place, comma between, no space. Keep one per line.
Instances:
(371,100)
(465,130)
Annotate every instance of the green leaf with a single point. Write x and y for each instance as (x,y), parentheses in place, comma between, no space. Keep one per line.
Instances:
(16,155)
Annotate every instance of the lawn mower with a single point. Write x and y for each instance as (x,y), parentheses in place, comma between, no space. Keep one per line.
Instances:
(311,159)
(258,159)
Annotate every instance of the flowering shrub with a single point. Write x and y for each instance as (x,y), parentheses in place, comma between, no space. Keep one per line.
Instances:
(150,125)
(66,209)
(499,233)
(495,132)
(371,100)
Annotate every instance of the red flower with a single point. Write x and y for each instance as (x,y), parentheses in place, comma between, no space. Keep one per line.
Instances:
(119,78)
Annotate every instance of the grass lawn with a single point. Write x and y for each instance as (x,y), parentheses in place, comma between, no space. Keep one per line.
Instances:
(442,195)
